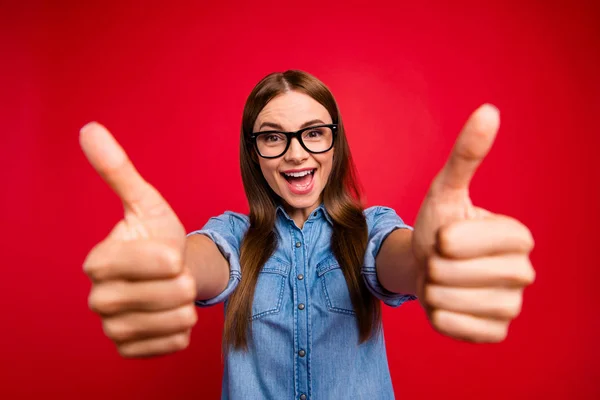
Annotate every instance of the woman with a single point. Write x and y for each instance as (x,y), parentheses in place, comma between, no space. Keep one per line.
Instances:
(303,276)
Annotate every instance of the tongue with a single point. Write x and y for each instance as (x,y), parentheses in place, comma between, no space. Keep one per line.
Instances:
(301,181)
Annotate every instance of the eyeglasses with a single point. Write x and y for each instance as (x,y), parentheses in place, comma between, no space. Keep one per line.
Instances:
(314,139)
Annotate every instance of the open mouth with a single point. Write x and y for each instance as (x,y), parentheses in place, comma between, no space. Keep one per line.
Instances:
(300,182)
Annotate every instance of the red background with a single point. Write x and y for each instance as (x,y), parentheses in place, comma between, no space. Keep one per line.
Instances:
(170,83)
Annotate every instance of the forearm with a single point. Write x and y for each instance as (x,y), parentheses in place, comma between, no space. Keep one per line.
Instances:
(207,265)
(397,268)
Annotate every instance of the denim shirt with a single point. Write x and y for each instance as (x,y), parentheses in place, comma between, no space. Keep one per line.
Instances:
(304,335)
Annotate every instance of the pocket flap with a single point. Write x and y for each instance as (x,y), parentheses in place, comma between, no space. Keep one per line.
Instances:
(327,265)
(276,266)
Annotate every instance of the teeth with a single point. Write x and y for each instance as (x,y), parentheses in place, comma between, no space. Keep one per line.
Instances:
(299,174)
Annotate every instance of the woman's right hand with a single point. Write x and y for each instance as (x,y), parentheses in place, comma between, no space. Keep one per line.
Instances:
(141,288)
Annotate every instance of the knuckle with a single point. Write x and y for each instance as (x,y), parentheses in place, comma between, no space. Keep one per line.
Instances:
(473,151)
(116,331)
(92,302)
(95,304)
(437,321)
(193,318)
(94,265)
(521,233)
(525,274)
(529,274)
(181,341)
(511,308)
(433,269)
(102,301)
(173,260)
(128,351)
(187,288)
(431,296)
(501,334)
(187,316)
(496,335)
(519,273)
(110,330)
(516,306)
(88,268)
(92,269)
(444,240)
(133,350)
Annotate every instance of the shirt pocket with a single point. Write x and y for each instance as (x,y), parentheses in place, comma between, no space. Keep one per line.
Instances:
(270,287)
(334,287)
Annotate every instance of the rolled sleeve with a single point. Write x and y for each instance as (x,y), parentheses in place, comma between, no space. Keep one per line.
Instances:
(226,231)
(381,221)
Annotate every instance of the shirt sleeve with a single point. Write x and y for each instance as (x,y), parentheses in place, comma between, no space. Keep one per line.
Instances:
(381,221)
(226,231)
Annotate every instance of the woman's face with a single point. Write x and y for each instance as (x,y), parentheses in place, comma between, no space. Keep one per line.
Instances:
(291,112)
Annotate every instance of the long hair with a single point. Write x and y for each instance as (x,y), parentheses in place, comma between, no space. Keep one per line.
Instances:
(341,197)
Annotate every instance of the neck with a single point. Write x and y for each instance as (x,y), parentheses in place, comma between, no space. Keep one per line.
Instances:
(299,215)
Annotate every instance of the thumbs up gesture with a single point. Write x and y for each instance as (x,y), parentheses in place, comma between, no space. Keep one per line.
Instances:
(475,263)
(140,287)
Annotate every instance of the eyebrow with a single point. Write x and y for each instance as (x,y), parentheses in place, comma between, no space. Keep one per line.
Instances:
(280,128)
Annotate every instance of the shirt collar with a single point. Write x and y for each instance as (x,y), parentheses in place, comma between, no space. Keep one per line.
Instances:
(317,213)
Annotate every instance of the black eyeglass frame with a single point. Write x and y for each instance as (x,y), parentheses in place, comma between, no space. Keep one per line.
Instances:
(298,135)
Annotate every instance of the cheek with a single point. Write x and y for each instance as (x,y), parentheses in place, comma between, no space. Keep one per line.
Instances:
(269,170)
(326,167)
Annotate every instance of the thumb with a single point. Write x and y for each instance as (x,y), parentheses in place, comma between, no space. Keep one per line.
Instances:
(471,147)
(112,163)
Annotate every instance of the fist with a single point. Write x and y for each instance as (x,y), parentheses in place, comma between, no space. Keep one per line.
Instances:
(143,294)
(476,277)
(141,288)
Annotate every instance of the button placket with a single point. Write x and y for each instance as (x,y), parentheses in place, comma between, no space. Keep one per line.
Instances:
(301,312)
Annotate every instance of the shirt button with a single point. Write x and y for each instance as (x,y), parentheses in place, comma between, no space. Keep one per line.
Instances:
(298,244)
(300,277)
(315,214)
(302,397)
(301,306)
(301,353)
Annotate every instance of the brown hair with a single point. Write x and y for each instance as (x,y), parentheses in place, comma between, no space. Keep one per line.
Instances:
(341,197)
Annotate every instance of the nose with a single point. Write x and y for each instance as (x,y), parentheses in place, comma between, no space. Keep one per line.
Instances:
(296,153)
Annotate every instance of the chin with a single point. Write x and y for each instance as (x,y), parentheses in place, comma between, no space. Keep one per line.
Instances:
(302,203)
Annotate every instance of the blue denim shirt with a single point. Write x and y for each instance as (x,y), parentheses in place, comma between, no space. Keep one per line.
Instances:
(304,335)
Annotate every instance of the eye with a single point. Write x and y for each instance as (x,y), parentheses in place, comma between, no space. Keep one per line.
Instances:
(272,138)
(316,134)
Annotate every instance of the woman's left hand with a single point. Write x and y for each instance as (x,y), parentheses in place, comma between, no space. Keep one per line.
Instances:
(474,265)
